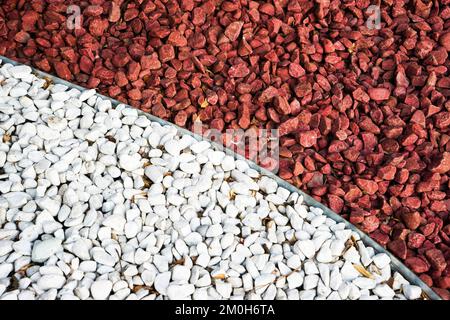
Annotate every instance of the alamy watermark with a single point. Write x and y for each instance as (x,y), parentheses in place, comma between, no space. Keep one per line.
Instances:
(258,145)
(74,19)
(374,20)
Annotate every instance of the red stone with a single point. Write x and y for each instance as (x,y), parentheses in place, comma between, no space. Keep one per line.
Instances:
(443,120)
(120,59)
(412,219)
(367,186)
(380,237)
(428,229)
(444,282)
(177,39)
(150,62)
(398,247)
(114,12)
(86,64)
(233,30)
(417,265)
(307,139)
(426,279)
(370,224)
(135,94)
(379,94)
(387,172)
(98,26)
(166,53)
(295,70)
(445,294)
(130,14)
(444,40)
(121,79)
(134,69)
(288,126)
(356,217)
(93,10)
(442,165)
(238,71)
(360,95)
(105,74)
(335,203)
(415,240)
(353,194)
(29,20)
(62,70)
(282,105)
(22,36)
(436,259)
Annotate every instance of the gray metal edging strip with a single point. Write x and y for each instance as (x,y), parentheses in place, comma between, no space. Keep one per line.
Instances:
(397,265)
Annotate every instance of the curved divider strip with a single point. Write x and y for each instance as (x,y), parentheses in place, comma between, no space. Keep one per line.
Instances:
(396,263)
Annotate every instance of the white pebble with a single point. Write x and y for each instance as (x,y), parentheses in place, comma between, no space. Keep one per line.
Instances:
(101,289)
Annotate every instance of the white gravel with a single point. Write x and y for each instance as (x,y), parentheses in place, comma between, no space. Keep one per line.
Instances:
(101,203)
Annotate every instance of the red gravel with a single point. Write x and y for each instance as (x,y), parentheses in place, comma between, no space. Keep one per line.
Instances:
(364,114)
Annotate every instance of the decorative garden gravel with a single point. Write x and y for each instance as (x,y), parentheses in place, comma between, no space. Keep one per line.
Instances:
(102,203)
(364,114)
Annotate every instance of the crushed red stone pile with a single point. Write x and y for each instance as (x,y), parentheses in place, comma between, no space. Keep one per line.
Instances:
(364,114)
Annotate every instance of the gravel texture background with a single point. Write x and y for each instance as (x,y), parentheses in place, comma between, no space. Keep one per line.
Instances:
(363,113)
